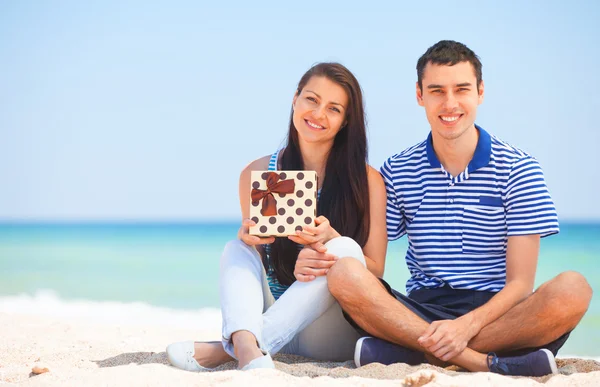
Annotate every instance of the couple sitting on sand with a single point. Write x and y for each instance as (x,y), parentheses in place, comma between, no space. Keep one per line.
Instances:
(474,209)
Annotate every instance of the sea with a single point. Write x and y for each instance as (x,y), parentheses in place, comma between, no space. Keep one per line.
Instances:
(167,273)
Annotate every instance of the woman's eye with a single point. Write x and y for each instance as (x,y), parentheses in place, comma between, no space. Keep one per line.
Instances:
(311,99)
(336,110)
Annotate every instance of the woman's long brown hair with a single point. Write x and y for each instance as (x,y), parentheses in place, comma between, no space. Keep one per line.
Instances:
(344,198)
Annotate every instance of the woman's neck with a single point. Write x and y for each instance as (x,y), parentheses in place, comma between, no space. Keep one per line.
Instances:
(314,157)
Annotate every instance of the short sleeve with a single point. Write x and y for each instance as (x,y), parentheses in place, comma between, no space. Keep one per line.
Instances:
(529,207)
(396,225)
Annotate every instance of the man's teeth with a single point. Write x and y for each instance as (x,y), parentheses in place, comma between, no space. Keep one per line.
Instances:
(449,119)
(314,125)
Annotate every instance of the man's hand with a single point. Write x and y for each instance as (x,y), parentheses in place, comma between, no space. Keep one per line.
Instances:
(311,264)
(446,339)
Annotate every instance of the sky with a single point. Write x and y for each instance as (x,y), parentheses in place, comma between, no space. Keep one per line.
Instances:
(148,111)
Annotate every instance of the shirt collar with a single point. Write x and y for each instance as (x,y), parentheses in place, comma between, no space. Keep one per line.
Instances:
(480,159)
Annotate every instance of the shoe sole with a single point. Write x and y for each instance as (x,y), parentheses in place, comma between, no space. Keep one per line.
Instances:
(551,360)
(357,351)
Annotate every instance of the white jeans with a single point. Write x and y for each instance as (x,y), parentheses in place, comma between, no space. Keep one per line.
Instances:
(306,320)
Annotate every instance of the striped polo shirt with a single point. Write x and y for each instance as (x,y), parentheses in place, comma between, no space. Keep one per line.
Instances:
(458,226)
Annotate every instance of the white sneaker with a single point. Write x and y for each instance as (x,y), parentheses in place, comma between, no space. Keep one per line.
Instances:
(181,355)
(260,362)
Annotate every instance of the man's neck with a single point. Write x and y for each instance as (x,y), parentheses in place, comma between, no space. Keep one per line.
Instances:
(456,154)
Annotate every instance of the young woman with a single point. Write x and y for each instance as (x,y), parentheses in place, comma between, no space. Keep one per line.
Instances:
(274,295)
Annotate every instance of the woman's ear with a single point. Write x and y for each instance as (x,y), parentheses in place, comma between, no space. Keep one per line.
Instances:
(294,100)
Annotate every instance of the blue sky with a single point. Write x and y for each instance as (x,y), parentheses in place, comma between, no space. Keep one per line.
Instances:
(124,110)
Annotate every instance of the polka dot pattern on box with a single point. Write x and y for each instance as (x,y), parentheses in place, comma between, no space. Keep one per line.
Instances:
(282,201)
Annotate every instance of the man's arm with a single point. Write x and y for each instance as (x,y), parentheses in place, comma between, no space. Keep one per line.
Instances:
(521,264)
(448,338)
(530,215)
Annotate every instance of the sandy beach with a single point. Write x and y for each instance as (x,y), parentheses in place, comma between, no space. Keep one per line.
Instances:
(77,352)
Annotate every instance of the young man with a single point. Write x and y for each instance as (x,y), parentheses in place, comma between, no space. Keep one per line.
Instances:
(474,209)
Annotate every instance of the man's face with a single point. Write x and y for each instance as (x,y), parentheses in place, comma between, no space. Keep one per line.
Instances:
(450,98)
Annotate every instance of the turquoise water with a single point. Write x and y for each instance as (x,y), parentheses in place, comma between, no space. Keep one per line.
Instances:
(176,265)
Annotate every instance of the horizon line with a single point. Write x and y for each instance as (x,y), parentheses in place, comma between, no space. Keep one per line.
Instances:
(198,221)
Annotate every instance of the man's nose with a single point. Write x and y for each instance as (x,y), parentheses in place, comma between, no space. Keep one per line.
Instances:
(451,102)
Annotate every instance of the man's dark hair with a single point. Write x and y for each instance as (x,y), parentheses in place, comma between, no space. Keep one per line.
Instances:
(448,53)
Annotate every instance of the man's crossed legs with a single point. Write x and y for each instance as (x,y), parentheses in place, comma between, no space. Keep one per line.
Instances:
(552,311)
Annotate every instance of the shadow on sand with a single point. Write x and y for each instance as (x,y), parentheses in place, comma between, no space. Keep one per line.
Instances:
(135,358)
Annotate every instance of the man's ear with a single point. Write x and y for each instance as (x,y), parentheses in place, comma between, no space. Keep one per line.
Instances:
(480,92)
(419,95)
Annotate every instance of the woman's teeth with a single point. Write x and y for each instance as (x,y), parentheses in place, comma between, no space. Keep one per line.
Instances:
(314,125)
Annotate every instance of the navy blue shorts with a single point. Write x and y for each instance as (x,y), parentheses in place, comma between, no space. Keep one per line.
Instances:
(447,304)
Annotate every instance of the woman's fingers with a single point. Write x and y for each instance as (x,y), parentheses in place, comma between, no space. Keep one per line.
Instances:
(248,223)
(307,238)
(321,219)
(312,271)
(300,240)
(318,246)
(316,263)
(252,240)
(303,277)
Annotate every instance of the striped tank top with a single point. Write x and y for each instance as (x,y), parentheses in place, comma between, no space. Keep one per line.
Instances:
(276,288)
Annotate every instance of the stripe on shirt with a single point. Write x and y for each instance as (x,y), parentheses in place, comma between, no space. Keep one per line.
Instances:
(458,227)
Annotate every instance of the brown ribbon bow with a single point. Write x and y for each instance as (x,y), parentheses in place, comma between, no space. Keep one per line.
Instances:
(269,206)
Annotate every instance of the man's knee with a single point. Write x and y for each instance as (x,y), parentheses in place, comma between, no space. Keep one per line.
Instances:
(344,278)
(576,290)
(576,284)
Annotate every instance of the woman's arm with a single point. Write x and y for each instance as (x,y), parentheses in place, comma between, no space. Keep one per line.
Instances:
(261,164)
(244,192)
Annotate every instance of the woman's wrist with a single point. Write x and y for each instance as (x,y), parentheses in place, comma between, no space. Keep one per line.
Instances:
(331,235)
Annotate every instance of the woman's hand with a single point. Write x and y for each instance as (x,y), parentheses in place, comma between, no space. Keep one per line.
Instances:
(252,240)
(311,264)
(316,237)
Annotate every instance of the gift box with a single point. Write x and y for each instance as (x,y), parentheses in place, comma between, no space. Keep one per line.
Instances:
(281,202)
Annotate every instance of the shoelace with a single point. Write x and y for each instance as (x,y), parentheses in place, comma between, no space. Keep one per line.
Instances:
(494,365)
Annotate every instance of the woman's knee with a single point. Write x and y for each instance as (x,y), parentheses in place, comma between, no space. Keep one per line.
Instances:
(236,248)
(345,247)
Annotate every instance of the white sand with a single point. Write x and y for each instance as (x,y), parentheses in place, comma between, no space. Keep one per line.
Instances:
(83,353)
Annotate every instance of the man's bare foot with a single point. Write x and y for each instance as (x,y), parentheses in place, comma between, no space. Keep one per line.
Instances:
(435,361)
(210,354)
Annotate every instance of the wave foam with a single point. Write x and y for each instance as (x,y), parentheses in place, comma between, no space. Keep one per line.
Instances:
(48,303)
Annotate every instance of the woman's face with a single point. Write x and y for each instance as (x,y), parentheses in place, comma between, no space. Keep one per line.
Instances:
(320,110)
